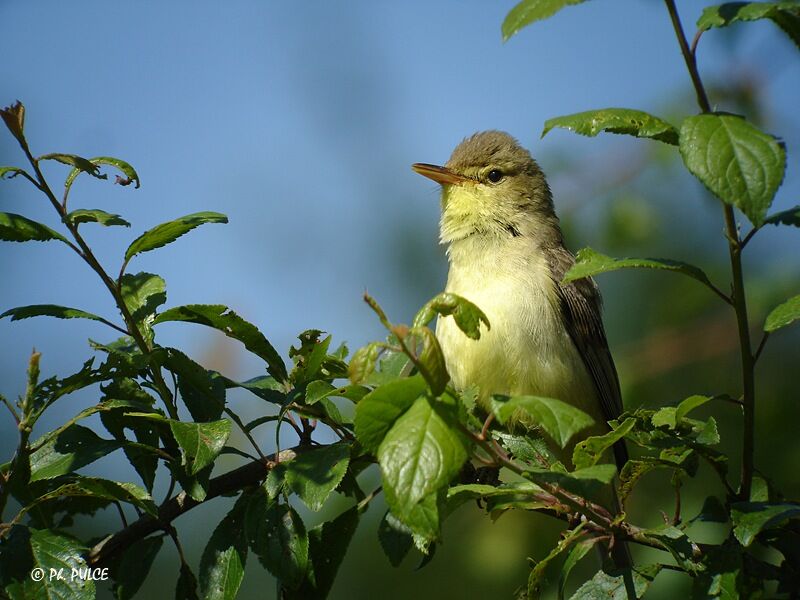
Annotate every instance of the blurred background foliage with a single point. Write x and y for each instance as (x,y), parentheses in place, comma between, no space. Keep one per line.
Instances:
(300,123)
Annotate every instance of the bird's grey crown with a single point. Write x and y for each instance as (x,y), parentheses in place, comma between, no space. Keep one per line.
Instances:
(491,148)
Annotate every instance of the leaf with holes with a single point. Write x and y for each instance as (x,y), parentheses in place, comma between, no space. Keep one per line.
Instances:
(127,170)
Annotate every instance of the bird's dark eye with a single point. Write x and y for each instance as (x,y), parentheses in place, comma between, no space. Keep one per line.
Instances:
(495,175)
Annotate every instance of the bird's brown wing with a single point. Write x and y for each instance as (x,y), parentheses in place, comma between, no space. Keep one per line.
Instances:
(581,308)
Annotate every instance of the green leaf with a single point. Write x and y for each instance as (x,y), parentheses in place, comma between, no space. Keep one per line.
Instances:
(186,588)
(202,391)
(467,316)
(328,545)
(95,215)
(16,228)
(616,120)
(558,419)
(584,482)
(395,539)
(590,262)
(10,172)
(315,473)
(750,518)
(319,390)
(536,578)
(785,15)
(785,217)
(143,293)
(362,364)
(783,314)
(49,310)
(132,569)
(80,163)
(73,448)
(50,552)
(689,404)
(587,452)
(266,388)
(736,161)
(223,560)
(419,456)
(575,555)
(612,587)
(378,410)
(200,442)
(168,232)
(94,487)
(130,173)
(430,358)
(678,544)
(530,11)
(223,319)
(275,532)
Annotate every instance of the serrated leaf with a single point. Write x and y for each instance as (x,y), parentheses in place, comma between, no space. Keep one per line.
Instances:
(275,532)
(584,481)
(130,173)
(616,120)
(419,456)
(736,161)
(467,316)
(785,15)
(94,487)
(224,557)
(222,318)
(612,587)
(168,232)
(266,388)
(201,442)
(378,410)
(530,11)
(49,310)
(750,518)
(587,452)
(133,567)
(785,217)
(73,448)
(51,552)
(678,544)
(143,293)
(202,391)
(589,262)
(319,390)
(315,473)
(783,314)
(76,161)
(16,228)
(558,419)
(95,215)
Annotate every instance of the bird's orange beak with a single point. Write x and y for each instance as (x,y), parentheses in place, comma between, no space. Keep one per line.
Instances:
(441,175)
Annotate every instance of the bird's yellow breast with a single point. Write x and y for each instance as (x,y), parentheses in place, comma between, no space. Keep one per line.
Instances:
(527,350)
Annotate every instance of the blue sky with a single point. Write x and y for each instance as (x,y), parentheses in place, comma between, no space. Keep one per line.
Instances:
(300,121)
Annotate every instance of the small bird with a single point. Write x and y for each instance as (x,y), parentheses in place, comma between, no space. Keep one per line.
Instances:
(506,254)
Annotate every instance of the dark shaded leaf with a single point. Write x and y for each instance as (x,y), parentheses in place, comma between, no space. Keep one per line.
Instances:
(750,518)
(224,557)
(76,161)
(536,578)
(143,294)
(430,358)
(616,120)
(223,319)
(202,391)
(93,487)
(587,452)
(579,550)
(73,448)
(10,172)
(132,569)
(785,15)
(16,228)
(785,217)
(130,173)
(395,539)
(49,310)
(95,215)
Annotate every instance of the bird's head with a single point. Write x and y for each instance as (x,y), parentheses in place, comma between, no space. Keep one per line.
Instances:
(491,186)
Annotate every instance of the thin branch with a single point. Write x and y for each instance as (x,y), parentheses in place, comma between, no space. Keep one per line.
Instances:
(246,433)
(10,408)
(688,57)
(760,346)
(232,481)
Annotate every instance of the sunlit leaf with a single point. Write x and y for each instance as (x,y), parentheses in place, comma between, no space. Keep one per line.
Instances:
(783,314)
(616,120)
(95,215)
(530,11)
(558,419)
(168,232)
(16,228)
